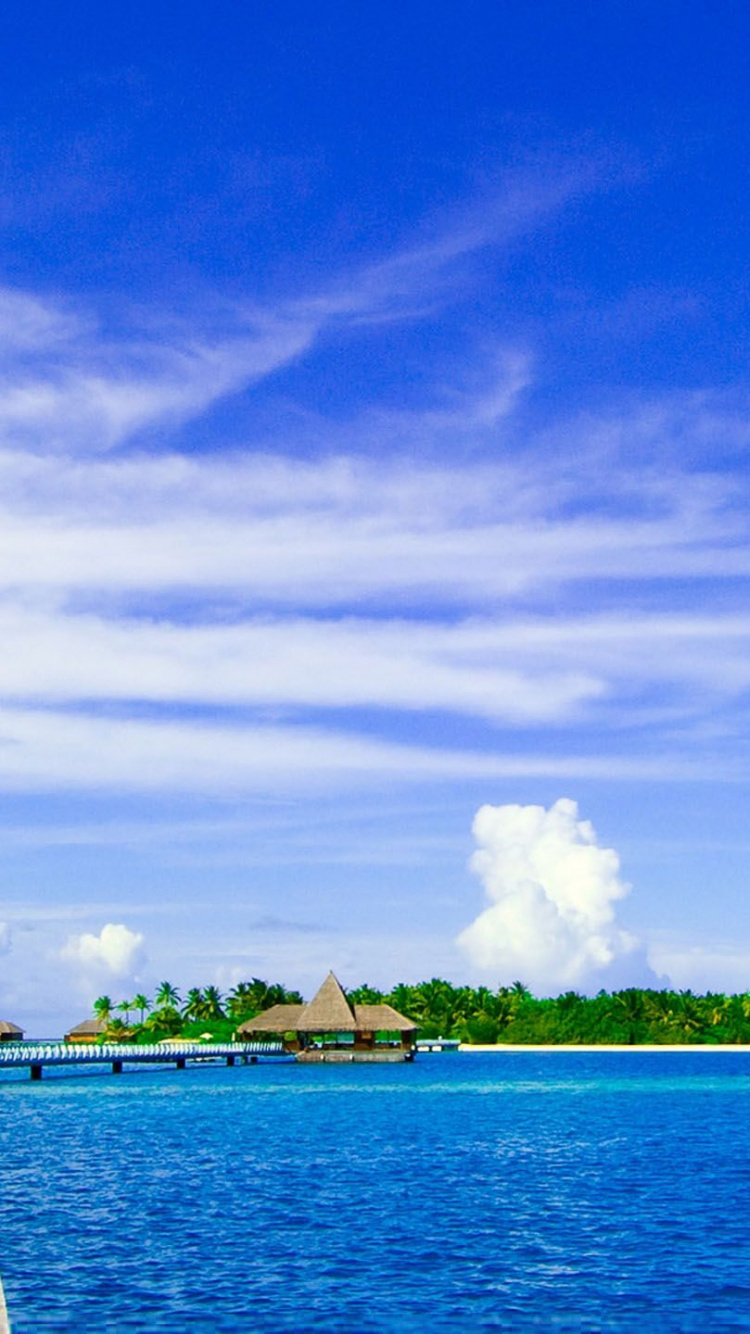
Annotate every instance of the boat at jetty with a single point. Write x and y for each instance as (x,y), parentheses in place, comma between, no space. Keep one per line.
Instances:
(329,1028)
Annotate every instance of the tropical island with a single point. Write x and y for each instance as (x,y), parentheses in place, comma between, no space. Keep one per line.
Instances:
(474,1015)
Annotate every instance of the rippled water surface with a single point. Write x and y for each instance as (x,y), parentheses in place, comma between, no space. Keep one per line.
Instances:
(465,1192)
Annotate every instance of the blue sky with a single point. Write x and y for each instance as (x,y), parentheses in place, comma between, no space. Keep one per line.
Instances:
(373,437)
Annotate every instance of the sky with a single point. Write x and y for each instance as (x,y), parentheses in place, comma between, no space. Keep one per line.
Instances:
(374,420)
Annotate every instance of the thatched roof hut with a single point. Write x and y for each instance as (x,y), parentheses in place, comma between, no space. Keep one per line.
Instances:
(382,1018)
(328,1013)
(10,1032)
(279,1019)
(89,1031)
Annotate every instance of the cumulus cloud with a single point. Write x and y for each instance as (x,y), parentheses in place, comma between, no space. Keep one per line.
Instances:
(116,950)
(553,892)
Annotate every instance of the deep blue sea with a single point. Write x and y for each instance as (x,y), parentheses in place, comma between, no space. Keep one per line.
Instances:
(561,1192)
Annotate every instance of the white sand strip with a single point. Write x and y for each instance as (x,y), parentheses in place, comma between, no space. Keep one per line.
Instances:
(645,1046)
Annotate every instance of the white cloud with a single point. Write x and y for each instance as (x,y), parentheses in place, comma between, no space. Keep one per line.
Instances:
(116,950)
(86,394)
(553,893)
(512,670)
(340,530)
(224,580)
(334,664)
(6,938)
(714,966)
(55,750)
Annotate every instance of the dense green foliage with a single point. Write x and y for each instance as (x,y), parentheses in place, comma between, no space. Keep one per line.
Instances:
(513,1015)
(473,1014)
(204,1012)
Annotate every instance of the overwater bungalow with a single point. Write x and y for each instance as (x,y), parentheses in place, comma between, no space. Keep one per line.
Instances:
(91,1030)
(10,1032)
(330,1028)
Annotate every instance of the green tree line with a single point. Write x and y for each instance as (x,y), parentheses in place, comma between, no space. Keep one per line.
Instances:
(201,1010)
(509,1014)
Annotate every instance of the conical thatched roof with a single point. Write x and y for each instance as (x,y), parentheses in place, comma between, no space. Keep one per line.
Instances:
(9,1030)
(329,1011)
(374,1018)
(279,1019)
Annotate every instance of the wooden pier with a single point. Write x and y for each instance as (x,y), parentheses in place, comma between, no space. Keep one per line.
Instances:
(35,1056)
(437,1044)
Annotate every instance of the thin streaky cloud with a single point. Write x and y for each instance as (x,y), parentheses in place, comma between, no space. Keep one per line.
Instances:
(64,751)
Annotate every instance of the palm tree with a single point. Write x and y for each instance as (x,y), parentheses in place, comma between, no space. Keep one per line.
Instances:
(257,991)
(402,997)
(434,998)
(688,1013)
(365,995)
(718,1007)
(276,994)
(212,1001)
(166,1019)
(240,1001)
(103,1008)
(124,1007)
(483,1000)
(167,995)
(249,998)
(659,1007)
(141,1003)
(629,1009)
(195,1005)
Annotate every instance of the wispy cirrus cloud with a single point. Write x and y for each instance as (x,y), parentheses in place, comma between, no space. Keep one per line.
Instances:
(46,750)
(514,672)
(68,387)
(438,558)
(342,530)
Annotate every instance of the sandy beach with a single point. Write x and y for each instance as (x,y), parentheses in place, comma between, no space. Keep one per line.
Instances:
(597,1047)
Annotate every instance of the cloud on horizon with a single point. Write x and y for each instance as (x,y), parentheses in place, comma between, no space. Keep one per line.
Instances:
(553,893)
(116,951)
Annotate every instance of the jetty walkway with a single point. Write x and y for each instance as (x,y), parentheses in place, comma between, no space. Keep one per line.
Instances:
(437,1044)
(35,1056)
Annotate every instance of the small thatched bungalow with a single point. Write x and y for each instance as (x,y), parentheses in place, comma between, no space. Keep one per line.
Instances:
(91,1030)
(330,1028)
(10,1032)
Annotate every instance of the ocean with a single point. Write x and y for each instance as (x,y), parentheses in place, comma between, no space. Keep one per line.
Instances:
(529,1191)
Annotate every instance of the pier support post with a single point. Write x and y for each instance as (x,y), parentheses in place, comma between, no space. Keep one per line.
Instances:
(36,1072)
(117,1067)
(253,1060)
(180,1062)
(230,1060)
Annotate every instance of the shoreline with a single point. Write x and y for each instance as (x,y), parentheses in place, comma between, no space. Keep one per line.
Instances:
(608,1046)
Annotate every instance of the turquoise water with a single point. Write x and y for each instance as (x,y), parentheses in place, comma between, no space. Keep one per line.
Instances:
(563,1192)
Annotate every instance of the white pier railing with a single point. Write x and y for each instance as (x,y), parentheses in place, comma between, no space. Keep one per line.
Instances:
(35,1056)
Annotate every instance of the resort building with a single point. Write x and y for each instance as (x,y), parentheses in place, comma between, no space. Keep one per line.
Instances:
(329,1028)
(89,1031)
(10,1032)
